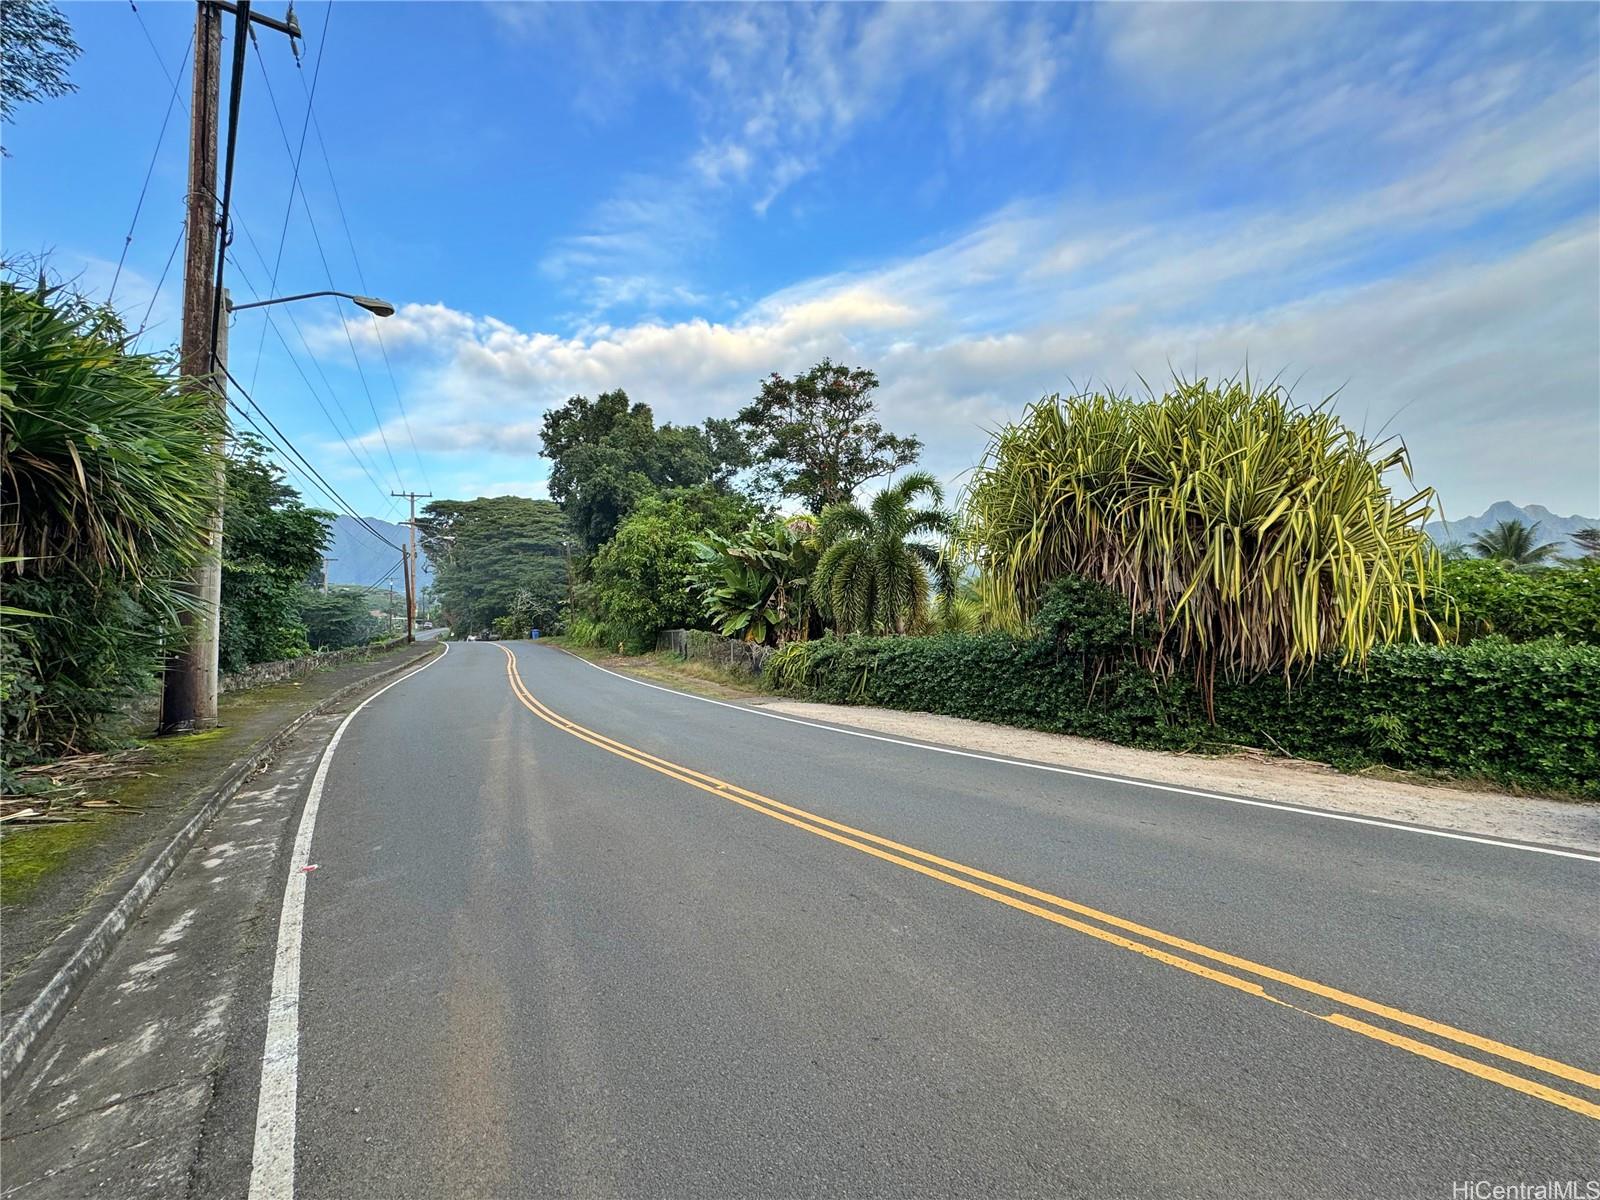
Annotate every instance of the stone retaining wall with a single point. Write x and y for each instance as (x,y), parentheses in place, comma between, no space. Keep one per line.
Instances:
(292,668)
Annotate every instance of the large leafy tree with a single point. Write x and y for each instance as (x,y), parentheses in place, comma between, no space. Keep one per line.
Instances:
(342,617)
(1257,534)
(1514,542)
(640,581)
(105,471)
(875,572)
(485,552)
(36,48)
(815,437)
(271,546)
(608,454)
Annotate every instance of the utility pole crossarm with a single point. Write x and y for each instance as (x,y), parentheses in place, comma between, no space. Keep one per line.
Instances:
(289,24)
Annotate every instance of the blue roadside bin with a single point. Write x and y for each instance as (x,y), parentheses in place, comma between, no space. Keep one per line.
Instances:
(533,634)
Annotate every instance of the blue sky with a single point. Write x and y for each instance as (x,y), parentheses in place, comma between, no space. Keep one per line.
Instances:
(984,203)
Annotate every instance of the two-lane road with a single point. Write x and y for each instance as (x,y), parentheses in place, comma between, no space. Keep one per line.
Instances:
(570,934)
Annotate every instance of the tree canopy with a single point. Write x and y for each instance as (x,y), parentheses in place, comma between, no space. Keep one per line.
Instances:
(640,581)
(1514,542)
(814,437)
(608,454)
(484,552)
(36,48)
(271,546)
(341,618)
(875,572)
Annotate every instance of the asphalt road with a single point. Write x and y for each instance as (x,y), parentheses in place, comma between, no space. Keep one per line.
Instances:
(564,939)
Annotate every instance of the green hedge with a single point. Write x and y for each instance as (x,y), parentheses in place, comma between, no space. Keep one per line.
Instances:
(1523,715)
(1492,597)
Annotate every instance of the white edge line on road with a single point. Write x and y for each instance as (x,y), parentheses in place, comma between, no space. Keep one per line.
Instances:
(1104,778)
(272,1160)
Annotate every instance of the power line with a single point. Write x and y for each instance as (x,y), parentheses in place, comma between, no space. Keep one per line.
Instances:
(326,487)
(173,80)
(295,362)
(361,276)
(183,227)
(295,186)
(154,154)
(308,474)
(372,587)
(294,160)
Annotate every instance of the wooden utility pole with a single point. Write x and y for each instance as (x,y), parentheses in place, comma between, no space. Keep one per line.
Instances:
(189,687)
(410,561)
(189,682)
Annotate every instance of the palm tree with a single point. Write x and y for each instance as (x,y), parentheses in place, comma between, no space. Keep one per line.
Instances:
(873,577)
(1588,541)
(1513,542)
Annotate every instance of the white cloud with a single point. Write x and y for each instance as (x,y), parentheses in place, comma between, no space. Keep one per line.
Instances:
(1485,367)
(1487,360)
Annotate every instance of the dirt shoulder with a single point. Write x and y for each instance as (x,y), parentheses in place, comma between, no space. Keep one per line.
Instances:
(1567,823)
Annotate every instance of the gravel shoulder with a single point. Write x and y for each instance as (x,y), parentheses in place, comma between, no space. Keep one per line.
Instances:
(1567,823)
(1573,824)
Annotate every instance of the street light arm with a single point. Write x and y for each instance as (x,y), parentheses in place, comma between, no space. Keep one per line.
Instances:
(379,308)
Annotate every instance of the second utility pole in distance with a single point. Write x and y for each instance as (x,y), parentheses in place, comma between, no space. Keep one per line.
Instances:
(411,563)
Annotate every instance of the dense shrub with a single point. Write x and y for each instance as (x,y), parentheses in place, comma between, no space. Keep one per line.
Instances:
(1259,534)
(1524,715)
(1493,597)
(271,545)
(584,631)
(108,472)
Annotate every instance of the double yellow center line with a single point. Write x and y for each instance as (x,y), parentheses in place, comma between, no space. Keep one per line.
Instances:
(1229,970)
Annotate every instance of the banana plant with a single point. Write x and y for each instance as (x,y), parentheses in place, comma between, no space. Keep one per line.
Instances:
(753,585)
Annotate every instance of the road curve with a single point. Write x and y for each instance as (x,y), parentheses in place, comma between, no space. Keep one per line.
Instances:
(569,935)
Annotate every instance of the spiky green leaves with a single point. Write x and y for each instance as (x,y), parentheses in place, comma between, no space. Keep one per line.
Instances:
(1257,533)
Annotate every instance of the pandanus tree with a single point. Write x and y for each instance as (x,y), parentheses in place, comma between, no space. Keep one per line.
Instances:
(876,571)
(1258,534)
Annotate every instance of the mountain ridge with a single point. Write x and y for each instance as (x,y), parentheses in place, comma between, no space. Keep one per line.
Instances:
(1552,527)
(358,557)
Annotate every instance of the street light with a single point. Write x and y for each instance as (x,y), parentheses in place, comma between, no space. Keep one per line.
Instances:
(378,308)
(189,680)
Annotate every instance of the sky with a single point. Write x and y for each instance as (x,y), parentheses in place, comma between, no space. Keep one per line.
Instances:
(985,204)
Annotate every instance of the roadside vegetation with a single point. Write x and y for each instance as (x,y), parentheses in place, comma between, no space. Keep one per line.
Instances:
(1210,567)
(104,477)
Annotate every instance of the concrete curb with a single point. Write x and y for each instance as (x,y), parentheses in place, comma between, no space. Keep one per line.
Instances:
(64,966)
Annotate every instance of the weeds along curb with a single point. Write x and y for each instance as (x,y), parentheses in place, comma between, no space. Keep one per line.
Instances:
(63,967)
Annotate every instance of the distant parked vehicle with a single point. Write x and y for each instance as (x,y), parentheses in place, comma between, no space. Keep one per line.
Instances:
(472,637)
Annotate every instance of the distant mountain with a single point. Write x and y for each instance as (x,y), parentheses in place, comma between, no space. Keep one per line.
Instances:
(361,558)
(1551,527)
